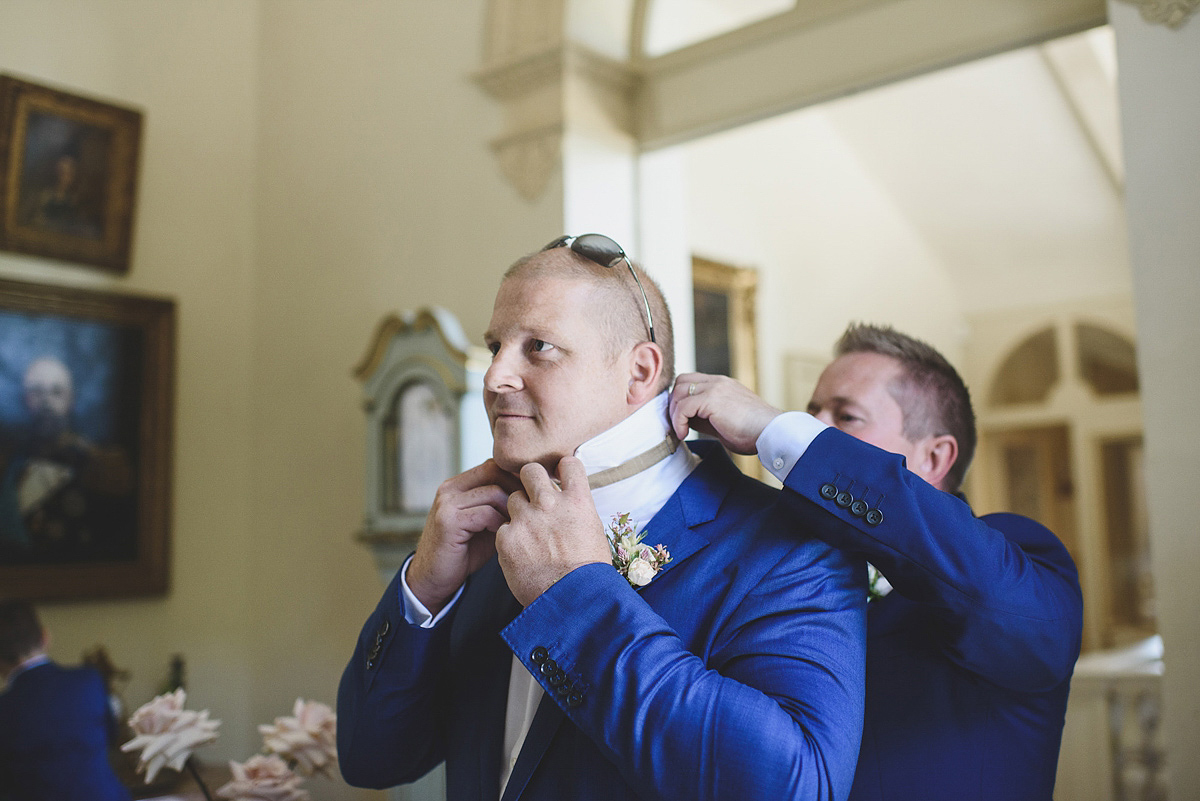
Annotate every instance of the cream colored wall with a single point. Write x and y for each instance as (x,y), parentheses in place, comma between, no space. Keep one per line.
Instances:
(377,193)
(195,243)
(307,168)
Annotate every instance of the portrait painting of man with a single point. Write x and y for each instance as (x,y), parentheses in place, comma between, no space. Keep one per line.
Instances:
(68,175)
(68,440)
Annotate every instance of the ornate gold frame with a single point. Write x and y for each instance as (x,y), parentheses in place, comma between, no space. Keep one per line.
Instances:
(106,167)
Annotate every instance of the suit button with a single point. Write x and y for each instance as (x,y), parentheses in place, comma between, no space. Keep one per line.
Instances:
(539,655)
(874,517)
(549,667)
(559,678)
(844,499)
(858,508)
(828,492)
(574,700)
(562,689)
(370,664)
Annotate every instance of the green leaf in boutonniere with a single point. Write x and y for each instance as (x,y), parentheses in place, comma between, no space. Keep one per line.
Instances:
(637,562)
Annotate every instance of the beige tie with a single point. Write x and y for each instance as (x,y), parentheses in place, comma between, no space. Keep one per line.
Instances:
(635,465)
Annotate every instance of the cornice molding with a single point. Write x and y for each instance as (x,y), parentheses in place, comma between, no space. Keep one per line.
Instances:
(1172,13)
(533,90)
(529,158)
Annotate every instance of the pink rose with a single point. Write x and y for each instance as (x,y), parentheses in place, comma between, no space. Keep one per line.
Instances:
(263,778)
(167,733)
(308,738)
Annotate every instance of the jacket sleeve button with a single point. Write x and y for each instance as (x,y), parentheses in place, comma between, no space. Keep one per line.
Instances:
(844,499)
(539,655)
(858,508)
(874,517)
(828,492)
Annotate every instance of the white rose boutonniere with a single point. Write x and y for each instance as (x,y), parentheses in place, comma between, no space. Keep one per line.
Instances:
(638,563)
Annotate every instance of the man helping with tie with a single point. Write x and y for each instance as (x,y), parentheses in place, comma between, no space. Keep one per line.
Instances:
(509,645)
(969,658)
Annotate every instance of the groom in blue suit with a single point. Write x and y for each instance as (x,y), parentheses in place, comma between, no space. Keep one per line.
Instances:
(969,657)
(511,648)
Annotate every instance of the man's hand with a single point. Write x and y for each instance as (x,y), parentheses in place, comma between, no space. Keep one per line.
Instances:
(718,406)
(460,532)
(551,531)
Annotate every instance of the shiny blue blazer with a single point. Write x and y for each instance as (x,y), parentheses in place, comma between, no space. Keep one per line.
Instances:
(737,673)
(969,659)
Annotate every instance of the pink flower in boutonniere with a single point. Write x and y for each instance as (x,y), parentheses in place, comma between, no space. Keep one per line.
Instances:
(638,563)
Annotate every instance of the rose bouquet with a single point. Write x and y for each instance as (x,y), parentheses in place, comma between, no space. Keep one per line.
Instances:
(303,743)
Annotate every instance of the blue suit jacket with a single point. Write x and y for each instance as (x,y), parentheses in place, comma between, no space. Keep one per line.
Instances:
(55,725)
(737,673)
(969,659)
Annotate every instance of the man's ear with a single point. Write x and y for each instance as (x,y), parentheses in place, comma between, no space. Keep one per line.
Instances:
(645,370)
(938,455)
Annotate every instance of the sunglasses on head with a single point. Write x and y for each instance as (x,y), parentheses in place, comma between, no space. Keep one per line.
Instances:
(604,251)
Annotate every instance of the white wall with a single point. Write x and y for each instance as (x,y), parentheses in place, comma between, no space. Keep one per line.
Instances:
(789,197)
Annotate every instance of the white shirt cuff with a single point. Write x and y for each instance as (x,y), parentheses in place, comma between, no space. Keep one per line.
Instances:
(414,611)
(785,439)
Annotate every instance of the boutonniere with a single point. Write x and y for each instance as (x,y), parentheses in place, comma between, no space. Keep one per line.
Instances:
(638,563)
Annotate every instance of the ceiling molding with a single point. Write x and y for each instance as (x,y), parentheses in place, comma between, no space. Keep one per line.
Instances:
(791,61)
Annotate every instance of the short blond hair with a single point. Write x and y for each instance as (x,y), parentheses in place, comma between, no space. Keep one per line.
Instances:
(623,319)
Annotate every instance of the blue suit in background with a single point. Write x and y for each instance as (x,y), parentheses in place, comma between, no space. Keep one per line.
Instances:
(969,659)
(737,673)
(55,729)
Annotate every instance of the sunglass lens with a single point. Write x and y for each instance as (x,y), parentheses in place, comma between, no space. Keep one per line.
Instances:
(599,248)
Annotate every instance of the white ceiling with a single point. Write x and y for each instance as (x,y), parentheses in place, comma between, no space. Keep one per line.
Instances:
(1007,168)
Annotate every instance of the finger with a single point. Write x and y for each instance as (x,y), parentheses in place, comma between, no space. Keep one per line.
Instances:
(501,477)
(573,475)
(537,484)
(489,495)
(482,518)
(518,502)
(481,475)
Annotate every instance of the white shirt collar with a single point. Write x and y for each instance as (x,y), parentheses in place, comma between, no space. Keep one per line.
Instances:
(644,494)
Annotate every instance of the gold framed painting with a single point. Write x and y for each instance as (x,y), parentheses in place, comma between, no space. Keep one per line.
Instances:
(68,175)
(86,409)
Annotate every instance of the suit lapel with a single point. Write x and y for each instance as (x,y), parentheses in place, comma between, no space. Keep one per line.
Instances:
(678,526)
(695,503)
(475,645)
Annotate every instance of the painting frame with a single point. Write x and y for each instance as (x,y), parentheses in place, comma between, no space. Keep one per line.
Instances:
(68,175)
(147,327)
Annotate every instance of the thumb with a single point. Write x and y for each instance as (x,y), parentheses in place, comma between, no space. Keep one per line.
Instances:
(572,476)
